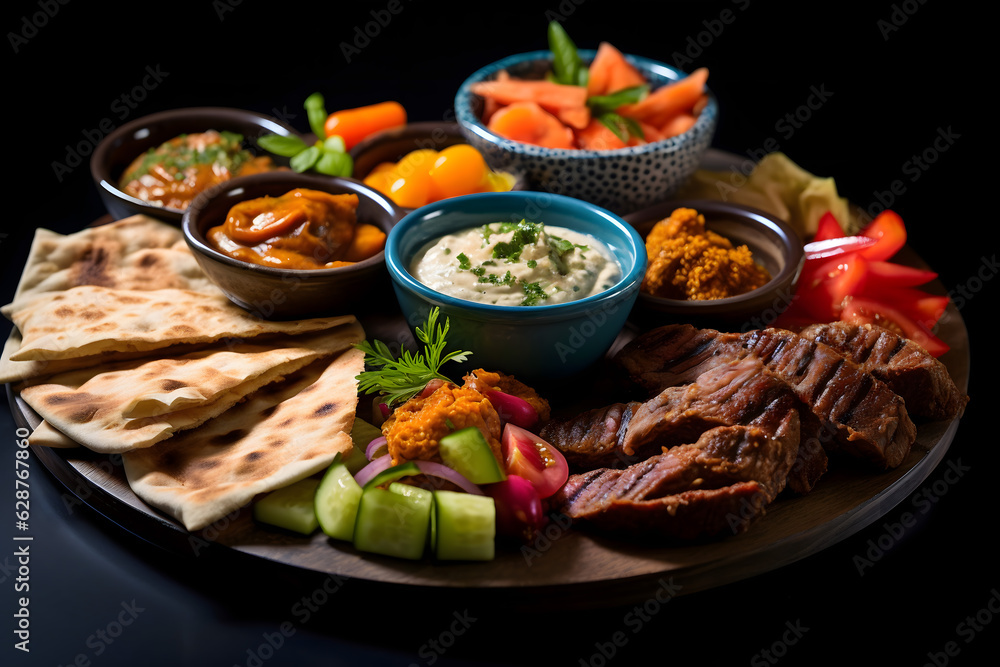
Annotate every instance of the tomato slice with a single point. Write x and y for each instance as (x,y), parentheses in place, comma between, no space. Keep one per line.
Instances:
(529,456)
(513,409)
(889,232)
(828,228)
(866,310)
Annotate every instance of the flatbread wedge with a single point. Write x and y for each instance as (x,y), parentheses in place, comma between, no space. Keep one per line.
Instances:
(138,403)
(89,319)
(282,433)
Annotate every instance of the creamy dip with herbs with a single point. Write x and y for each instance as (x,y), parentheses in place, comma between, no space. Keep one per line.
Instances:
(516,264)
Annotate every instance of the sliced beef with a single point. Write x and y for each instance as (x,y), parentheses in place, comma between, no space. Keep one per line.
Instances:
(713,487)
(865,418)
(740,392)
(908,369)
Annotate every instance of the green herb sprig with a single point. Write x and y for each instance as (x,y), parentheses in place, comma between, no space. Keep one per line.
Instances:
(399,379)
(327,156)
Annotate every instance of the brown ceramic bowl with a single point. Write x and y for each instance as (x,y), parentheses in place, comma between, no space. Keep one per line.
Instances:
(774,245)
(276,293)
(117,150)
(392,145)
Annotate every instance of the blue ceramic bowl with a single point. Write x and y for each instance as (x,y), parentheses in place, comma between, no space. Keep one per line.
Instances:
(622,180)
(532,342)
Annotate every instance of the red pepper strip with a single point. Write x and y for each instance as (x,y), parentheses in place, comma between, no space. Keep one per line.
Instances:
(887,274)
(890,233)
(828,228)
(865,310)
(837,246)
(917,304)
(823,289)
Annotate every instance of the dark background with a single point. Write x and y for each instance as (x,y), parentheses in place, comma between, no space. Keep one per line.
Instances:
(895,75)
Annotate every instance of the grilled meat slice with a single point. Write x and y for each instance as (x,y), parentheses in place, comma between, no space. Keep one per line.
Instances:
(740,392)
(908,369)
(713,487)
(867,419)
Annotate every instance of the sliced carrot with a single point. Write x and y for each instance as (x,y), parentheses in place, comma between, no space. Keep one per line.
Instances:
(610,72)
(649,135)
(528,122)
(667,101)
(490,105)
(546,94)
(598,137)
(576,117)
(679,124)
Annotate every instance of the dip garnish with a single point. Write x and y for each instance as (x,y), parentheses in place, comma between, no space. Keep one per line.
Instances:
(399,379)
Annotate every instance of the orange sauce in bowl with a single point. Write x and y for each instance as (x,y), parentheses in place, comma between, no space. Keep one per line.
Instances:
(302,229)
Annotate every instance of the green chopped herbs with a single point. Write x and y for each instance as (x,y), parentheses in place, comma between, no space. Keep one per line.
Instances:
(401,378)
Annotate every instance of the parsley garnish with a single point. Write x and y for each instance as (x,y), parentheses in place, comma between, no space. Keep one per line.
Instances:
(401,379)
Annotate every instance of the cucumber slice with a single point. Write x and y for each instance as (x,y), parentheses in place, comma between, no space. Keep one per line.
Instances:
(394,521)
(336,501)
(290,507)
(466,526)
(361,434)
(467,451)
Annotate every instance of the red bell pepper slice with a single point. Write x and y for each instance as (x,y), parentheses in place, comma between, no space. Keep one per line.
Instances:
(888,274)
(828,228)
(918,305)
(866,310)
(825,286)
(890,233)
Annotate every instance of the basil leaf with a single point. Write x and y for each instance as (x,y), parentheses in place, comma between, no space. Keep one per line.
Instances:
(316,112)
(281,145)
(621,126)
(335,163)
(608,103)
(566,62)
(306,159)
(335,144)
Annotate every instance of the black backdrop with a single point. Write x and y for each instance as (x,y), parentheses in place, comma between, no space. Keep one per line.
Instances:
(886,99)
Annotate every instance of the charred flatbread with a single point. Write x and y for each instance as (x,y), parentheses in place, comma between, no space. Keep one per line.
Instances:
(282,433)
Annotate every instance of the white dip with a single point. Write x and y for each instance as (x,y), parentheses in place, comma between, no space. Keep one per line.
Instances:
(516,264)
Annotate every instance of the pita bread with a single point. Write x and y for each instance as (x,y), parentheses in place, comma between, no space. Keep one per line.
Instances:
(89,319)
(45,435)
(136,404)
(138,252)
(282,433)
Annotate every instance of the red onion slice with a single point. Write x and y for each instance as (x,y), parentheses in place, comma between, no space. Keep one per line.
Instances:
(375,467)
(374,446)
(513,409)
(436,469)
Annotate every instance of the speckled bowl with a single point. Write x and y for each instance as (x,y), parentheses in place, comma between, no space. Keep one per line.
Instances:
(537,343)
(622,180)
(773,244)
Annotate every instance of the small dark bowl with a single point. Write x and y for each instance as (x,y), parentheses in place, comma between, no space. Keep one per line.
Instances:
(279,294)
(117,150)
(773,243)
(392,145)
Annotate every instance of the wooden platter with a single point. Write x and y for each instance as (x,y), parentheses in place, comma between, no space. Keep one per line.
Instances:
(564,566)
